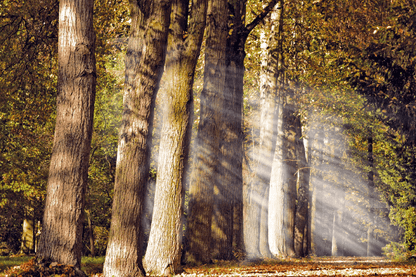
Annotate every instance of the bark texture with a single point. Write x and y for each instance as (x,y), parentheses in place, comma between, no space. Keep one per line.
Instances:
(163,254)
(144,66)
(205,170)
(61,238)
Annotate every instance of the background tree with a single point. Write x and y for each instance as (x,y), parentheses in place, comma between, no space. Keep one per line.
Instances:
(144,66)
(163,254)
(257,243)
(205,168)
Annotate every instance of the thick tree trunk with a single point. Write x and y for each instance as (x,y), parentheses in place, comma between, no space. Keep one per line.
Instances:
(61,238)
(301,217)
(267,139)
(205,170)
(282,198)
(163,254)
(230,187)
(144,66)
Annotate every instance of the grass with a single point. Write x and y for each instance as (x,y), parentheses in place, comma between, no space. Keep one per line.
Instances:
(90,265)
(7,262)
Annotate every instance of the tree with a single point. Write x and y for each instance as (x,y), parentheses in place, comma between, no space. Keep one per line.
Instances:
(257,207)
(227,95)
(144,66)
(205,168)
(302,205)
(61,238)
(232,134)
(164,249)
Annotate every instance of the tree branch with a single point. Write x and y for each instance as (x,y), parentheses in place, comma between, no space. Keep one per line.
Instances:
(259,18)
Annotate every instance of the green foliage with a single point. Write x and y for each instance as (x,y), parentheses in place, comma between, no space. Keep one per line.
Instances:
(28,36)
(398,252)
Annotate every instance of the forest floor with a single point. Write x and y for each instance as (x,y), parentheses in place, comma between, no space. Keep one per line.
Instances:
(316,266)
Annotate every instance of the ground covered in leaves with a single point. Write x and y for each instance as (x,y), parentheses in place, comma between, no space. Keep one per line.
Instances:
(322,266)
(326,266)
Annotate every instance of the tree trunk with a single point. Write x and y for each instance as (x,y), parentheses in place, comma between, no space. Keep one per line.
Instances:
(144,66)
(61,238)
(371,198)
(301,217)
(316,178)
(230,187)
(163,254)
(268,133)
(205,171)
(28,238)
(282,198)
(90,234)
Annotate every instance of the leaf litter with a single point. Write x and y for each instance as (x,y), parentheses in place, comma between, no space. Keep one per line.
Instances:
(316,266)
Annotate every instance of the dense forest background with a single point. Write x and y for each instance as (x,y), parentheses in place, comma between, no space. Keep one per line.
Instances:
(344,74)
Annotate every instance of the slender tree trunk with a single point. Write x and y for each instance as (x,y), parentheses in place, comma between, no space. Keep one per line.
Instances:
(90,233)
(205,171)
(61,238)
(301,218)
(144,66)
(316,181)
(371,198)
(163,254)
(28,238)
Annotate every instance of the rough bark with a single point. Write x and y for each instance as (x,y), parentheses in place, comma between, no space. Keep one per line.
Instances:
(144,66)
(301,217)
(205,168)
(61,238)
(163,254)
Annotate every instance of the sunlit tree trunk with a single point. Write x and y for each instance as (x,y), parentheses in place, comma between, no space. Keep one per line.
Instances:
(28,236)
(315,154)
(144,66)
(164,249)
(259,188)
(61,238)
(282,198)
(207,150)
